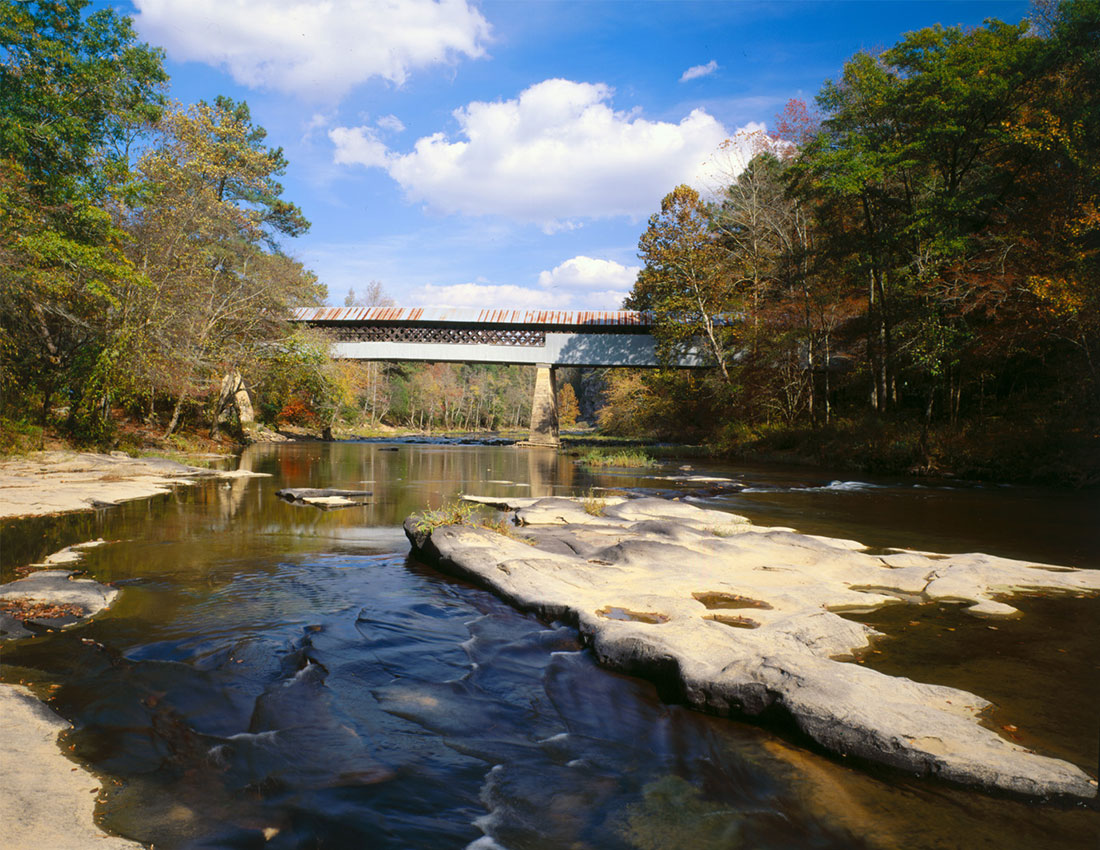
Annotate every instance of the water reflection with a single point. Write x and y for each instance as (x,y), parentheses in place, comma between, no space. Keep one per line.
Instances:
(276,675)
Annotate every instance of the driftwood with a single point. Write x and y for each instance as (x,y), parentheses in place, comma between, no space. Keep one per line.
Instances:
(324,497)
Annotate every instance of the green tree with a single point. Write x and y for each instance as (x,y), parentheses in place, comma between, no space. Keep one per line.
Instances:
(74,92)
(913,163)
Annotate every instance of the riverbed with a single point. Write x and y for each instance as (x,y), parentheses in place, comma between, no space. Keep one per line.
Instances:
(281,676)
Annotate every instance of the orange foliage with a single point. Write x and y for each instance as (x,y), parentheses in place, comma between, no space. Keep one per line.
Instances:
(297,412)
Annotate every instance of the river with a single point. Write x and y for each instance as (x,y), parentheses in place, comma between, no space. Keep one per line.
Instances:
(278,676)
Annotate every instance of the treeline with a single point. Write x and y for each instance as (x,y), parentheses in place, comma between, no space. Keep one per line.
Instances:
(141,241)
(415,396)
(907,273)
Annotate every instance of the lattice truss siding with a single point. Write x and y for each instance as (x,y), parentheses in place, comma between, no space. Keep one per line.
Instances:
(450,336)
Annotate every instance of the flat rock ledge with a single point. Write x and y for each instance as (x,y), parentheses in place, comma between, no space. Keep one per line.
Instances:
(741,620)
(60,481)
(53,587)
(45,800)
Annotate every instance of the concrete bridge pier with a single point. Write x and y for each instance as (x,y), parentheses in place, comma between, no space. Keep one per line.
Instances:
(544,408)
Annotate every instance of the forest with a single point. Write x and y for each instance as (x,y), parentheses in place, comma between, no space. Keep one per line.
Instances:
(903,275)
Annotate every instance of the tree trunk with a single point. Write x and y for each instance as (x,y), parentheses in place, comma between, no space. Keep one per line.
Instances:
(175,415)
(922,443)
(878,389)
(47,397)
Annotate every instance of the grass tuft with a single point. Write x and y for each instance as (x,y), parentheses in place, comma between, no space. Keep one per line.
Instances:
(593,504)
(624,458)
(452,513)
(466,513)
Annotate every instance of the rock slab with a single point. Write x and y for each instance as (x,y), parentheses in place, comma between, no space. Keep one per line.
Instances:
(45,800)
(59,481)
(742,620)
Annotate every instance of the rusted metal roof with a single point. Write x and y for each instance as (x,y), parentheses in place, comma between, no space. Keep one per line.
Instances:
(472,316)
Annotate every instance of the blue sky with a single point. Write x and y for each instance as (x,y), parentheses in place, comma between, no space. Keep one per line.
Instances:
(508,153)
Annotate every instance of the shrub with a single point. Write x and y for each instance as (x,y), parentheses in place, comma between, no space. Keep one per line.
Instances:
(297,412)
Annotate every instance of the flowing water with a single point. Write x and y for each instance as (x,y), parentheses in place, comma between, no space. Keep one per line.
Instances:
(278,676)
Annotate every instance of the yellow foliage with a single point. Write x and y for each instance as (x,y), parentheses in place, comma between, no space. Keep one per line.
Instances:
(1062,297)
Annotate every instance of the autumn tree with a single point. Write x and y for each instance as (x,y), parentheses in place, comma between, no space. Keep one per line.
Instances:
(207,233)
(1060,198)
(568,409)
(685,281)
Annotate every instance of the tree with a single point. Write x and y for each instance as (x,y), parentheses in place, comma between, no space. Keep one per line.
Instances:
(1060,132)
(912,164)
(73,94)
(684,280)
(205,235)
(568,409)
(373,296)
(371,376)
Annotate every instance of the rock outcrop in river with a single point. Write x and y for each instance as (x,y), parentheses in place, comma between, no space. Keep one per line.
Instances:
(741,620)
(59,481)
(44,799)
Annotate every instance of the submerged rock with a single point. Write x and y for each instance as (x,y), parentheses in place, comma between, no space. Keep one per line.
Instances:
(652,586)
(52,598)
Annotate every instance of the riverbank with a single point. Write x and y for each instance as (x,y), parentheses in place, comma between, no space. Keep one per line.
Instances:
(51,482)
(46,800)
(994,451)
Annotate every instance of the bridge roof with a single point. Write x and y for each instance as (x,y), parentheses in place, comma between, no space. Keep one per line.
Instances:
(472,316)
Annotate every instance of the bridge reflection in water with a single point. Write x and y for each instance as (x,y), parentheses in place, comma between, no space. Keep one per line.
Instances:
(540,338)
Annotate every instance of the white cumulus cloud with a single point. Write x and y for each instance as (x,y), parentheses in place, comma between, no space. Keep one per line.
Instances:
(554,156)
(503,296)
(391,123)
(317,49)
(697,71)
(359,146)
(592,284)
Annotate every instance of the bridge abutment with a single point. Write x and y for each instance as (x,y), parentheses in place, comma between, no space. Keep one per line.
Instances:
(544,408)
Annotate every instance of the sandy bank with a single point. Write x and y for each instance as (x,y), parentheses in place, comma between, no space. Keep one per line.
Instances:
(59,481)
